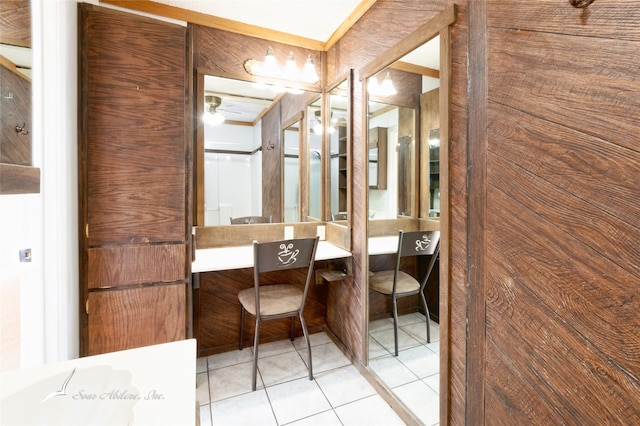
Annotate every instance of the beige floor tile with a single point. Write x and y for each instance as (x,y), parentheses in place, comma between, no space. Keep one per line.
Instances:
(421,400)
(252,408)
(282,368)
(391,371)
(325,357)
(202,388)
(326,418)
(344,385)
(421,361)
(370,411)
(231,381)
(296,400)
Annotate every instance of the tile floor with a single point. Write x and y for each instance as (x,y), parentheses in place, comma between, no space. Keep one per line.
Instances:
(414,375)
(339,395)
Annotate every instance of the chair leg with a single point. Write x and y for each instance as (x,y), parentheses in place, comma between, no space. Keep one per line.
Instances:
(395,323)
(426,310)
(306,336)
(256,341)
(241,343)
(293,328)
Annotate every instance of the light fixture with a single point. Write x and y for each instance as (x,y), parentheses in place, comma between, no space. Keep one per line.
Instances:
(211,115)
(384,89)
(290,72)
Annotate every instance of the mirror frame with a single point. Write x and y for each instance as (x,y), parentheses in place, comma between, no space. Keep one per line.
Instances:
(439,25)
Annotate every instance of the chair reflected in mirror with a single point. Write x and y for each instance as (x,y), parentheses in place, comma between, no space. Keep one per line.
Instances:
(248,220)
(397,284)
(339,216)
(281,300)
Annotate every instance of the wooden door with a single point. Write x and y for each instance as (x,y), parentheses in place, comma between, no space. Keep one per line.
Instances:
(133,181)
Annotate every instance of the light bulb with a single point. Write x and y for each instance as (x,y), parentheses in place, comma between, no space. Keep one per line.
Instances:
(386,87)
(290,69)
(309,74)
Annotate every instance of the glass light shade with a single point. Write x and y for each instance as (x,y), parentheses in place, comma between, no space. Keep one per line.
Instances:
(213,118)
(290,69)
(309,74)
(269,67)
(387,87)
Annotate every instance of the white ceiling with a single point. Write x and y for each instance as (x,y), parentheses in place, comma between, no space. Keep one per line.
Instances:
(314,19)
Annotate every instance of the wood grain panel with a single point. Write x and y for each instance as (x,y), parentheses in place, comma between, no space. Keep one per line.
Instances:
(15,22)
(591,291)
(130,318)
(565,82)
(120,266)
(240,235)
(224,53)
(602,19)
(219,310)
(603,174)
(19,179)
(135,129)
(15,104)
(571,377)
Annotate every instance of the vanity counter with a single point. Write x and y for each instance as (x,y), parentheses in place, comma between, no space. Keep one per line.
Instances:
(383,245)
(226,258)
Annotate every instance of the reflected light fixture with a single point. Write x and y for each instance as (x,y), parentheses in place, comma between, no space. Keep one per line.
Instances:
(211,115)
(269,68)
(384,89)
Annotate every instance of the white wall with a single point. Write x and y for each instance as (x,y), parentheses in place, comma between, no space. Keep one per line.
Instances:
(47,222)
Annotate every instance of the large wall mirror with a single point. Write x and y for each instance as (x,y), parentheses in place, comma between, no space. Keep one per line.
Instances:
(232,178)
(336,127)
(403,122)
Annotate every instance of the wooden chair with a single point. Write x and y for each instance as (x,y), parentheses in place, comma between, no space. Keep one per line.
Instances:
(245,220)
(274,301)
(396,283)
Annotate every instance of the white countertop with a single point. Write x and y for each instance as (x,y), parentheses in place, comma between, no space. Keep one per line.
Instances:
(152,385)
(225,258)
(383,245)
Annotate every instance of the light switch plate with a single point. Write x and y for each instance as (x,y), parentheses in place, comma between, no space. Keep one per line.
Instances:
(321,232)
(288,232)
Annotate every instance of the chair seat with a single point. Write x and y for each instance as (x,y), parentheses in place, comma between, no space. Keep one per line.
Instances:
(382,282)
(275,299)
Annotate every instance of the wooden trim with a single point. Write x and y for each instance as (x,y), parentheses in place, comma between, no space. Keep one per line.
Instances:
(346,25)
(417,38)
(211,21)
(444,100)
(12,67)
(416,69)
(198,168)
(476,212)
(16,179)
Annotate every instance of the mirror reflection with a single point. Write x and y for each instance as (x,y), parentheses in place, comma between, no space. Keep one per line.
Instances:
(403,153)
(230,181)
(314,142)
(291,140)
(338,148)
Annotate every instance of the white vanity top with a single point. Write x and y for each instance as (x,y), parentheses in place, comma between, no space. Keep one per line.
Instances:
(383,245)
(224,258)
(152,385)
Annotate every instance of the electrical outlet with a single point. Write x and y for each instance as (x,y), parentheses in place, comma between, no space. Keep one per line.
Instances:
(321,232)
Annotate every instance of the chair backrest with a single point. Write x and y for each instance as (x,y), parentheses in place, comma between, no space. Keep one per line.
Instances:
(245,220)
(339,216)
(285,254)
(417,243)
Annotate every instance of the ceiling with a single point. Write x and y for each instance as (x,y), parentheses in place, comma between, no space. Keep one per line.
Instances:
(313,19)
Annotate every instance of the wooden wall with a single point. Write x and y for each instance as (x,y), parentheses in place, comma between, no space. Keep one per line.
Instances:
(555,305)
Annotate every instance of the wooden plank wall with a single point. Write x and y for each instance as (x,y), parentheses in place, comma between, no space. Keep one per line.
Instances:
(562,214)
